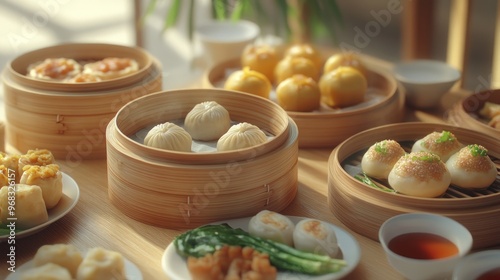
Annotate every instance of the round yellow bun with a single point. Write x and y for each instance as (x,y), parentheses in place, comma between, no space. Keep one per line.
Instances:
(343,87)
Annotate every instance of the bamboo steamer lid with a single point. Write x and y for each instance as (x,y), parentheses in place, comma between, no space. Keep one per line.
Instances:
(328,127)
(363,208)
(70,119)
(183,190)
(466,112)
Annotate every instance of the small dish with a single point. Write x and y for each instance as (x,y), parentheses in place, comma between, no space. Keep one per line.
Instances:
(476,264)
(226,39)
(71,194)
(175,266)
(425,223)
(425,81)
(132,272)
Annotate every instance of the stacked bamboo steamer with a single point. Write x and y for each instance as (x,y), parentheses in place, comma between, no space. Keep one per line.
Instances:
(70,119)
(328,127)
(466,112)
(184,190)
(363,208)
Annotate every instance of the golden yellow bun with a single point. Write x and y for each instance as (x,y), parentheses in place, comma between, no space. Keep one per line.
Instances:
(290,66)
(249,81)
(344,59)
(298,93)
(261,58)
(420,174)
(307,51)
(343,87)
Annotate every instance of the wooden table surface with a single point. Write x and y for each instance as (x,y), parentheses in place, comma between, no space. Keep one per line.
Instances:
(95,222)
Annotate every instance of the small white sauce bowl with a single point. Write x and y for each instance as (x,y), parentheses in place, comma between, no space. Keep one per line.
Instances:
(226,39)
(474,265)
(425,81)
(425,223)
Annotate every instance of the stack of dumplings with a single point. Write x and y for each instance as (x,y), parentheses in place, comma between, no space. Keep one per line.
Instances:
(206,122)
(65,262)
(37,182)
(435,161)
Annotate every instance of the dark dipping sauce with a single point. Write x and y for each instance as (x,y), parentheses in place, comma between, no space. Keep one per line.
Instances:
(424,246)
(493,274)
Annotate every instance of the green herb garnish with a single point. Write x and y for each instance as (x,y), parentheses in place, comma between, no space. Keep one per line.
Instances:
(477,150)
(428,157)
(446,136)
(381,147)
(363,178)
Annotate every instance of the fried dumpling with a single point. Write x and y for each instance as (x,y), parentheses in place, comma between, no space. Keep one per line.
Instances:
(111,67)
(271,225)
(100,263)
(421,174)
(48,178)
(472,168)
(169,136)
(240,136)
(48,271)
(65,255)
(35,157)
(207,121)
(30,206)
(444,144)
(380,158)
(54,69)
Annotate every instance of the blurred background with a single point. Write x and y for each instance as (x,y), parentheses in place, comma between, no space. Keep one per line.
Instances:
(29,25)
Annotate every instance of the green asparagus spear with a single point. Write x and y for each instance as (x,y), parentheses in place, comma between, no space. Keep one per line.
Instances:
(207,239)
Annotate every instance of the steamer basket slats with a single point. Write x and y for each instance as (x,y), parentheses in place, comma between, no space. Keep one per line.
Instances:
(364,209)
(182,190)
(70,119)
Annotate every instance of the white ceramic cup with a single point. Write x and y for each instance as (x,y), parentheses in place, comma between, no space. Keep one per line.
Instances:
(474,265)
(426,223)
(225,40)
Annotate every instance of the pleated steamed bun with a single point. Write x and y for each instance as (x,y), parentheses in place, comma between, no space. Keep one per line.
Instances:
(240,136)
(169,136)
(420,174)
(65,255)
(207,121)
(472,168)
(444,144)
(30,206)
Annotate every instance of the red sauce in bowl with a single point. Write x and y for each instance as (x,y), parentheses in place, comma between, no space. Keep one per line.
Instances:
(420,245)
(493,274)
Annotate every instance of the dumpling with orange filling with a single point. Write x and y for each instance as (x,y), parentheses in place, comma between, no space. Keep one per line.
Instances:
(48,178)
(111,67)
(54,69)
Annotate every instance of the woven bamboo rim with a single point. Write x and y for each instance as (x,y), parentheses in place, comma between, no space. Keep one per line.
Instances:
(465,113)
(174,105)
(364,209)
(330,128)
(175,195)
(80,51)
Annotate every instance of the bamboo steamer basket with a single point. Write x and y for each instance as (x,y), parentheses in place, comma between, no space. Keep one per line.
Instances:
(70,119)
(363,208)
(184,190)
(466,112)
(328,127)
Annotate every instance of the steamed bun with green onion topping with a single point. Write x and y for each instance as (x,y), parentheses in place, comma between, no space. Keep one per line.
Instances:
(444,144)
(472,168)
(380,158)
(420,174)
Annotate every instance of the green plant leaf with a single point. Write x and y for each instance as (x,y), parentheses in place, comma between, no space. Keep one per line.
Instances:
(172,15)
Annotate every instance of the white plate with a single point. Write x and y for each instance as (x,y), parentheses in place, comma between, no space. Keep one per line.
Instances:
(132,272)
(70,196)
(175,266)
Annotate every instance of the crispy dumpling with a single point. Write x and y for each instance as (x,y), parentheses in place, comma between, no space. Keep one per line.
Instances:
(207,121)
(35,157)
(240,136)
(169,136)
